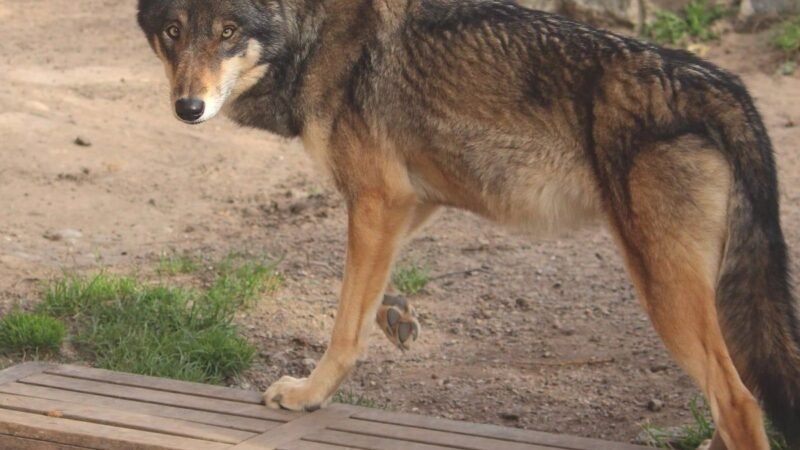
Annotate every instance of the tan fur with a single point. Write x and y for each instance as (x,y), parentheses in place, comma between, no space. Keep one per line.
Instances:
(244,71)
(673,248)
(315,142)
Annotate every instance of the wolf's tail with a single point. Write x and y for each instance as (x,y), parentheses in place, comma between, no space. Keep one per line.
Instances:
(754,298)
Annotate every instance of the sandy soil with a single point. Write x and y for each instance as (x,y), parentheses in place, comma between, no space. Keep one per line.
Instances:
(541,335)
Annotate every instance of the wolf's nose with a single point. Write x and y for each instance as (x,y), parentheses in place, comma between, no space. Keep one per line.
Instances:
(190,109)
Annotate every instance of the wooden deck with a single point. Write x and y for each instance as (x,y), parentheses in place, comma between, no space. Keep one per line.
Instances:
(49,407)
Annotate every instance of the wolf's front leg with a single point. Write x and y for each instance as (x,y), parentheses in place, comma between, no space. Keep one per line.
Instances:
(377,224)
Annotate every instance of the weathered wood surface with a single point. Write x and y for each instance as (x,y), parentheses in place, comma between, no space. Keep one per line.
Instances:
(56,407)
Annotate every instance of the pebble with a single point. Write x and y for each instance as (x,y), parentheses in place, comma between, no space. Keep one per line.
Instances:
(309,364)
(71,234)
(82,141)
(655,405)
(510,416)
(66,234)
(659,368)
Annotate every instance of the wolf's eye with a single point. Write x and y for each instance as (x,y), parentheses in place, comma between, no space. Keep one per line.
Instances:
(227,33)
(173,32)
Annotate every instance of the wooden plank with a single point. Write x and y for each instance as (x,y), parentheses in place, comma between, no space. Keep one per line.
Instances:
(85,434)
(159,397)
(340,438)
(158,384)
(296,429)
(124,419)
(14,373)
(492,431)
(192,415)
(16,443)
(104,409)
(306,445)
(427,436)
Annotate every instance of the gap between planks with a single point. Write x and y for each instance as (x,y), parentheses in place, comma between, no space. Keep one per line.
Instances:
(192,415)
(157,384)
(123,419)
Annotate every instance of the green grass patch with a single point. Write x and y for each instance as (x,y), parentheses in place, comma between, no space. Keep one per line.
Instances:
(410,278)
(692,23)
(243,279)
(787,37)
(701,428)
(667,28)
(36,333)
(154,329)
(72,296)
(174,264)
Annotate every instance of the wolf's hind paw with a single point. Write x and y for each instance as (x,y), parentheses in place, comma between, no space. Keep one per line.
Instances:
(398,320)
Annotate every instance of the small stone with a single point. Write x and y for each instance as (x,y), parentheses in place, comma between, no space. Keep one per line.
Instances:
(67,234)
(298,207)
(52,236)
(71,234)
(523,304)
(309,364)
(82,141)
(655,405)
(510,416)
(659,368)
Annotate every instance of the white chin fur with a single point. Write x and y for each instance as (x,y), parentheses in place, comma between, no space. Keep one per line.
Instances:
(213,105)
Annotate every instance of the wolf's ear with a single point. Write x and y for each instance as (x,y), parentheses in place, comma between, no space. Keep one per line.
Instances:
(146,4)
(145,13)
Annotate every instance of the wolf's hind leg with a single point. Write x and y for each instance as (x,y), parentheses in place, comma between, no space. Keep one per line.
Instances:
(672,234)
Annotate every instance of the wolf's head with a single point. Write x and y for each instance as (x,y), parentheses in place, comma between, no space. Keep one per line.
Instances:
(212,50)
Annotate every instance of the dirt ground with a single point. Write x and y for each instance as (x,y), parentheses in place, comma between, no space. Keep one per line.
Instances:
(541,335)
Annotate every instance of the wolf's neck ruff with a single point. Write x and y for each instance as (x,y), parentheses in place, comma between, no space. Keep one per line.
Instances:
(275,101)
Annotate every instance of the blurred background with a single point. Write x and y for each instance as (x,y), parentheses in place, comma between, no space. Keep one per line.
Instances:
(116,218)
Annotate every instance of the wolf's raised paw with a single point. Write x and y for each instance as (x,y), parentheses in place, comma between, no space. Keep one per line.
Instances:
(398,320)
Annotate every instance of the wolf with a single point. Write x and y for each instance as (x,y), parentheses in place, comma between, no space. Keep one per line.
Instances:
(530,120)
